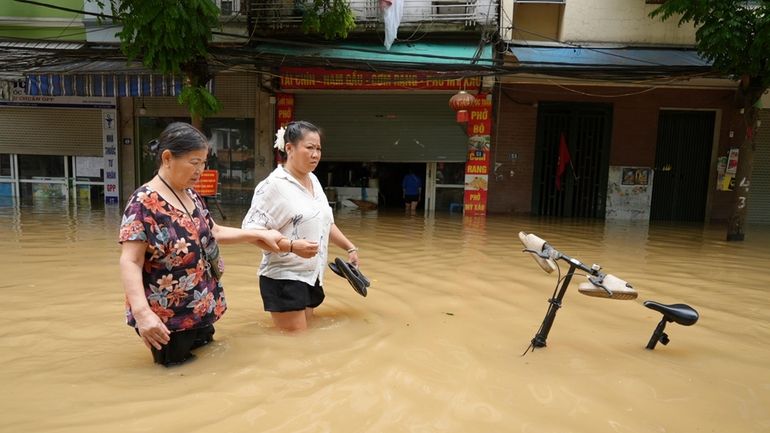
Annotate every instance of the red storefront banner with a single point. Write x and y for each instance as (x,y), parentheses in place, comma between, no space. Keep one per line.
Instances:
(284,109)
(477,164)
(284,113)
(293,78)
(207,183)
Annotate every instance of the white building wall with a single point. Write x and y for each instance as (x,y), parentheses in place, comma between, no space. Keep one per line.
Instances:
(621,21)
(597,21)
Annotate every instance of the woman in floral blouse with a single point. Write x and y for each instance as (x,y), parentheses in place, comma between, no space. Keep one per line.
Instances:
(170,265)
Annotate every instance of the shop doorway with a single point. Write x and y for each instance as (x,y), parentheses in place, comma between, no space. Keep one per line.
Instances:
(8,177)
(376,182)
(38,178)
(582,189)
(231,152)
(392,179)
(381,183)
(682,161)
(446,186)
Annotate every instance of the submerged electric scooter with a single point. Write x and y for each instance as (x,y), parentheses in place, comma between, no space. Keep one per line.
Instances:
(599,285)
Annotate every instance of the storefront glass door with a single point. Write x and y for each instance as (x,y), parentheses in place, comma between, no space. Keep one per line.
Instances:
(8,176)
(42,177)
(231,152)
(445,186)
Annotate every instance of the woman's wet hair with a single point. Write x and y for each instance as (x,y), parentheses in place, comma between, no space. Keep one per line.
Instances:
(295,131)
(178,138)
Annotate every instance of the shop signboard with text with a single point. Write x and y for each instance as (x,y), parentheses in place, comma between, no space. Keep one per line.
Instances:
(296,78)
(208,183)
(477,165)
(284,113)
(109,140)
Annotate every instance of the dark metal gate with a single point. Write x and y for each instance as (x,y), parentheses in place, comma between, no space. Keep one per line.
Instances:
(586,129)
(682,161)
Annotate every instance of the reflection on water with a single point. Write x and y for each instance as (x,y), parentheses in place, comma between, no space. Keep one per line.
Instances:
(434,347)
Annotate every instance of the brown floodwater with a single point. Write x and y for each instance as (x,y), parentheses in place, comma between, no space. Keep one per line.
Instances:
(435,347)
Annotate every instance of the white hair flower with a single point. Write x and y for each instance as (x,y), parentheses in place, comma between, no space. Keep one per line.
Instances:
(279,143)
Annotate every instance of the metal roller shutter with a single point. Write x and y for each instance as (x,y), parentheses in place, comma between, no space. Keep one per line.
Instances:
(382,127)
(759,190)
(51,131)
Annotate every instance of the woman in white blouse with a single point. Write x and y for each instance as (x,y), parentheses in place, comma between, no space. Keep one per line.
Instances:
(292,201)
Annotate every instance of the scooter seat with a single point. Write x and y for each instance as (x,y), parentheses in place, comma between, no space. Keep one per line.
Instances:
(682,314)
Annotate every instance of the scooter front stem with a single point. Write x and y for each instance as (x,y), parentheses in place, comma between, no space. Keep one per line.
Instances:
(553,307)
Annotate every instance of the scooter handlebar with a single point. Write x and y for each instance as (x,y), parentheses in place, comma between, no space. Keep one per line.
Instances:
(539,250)
(608,286)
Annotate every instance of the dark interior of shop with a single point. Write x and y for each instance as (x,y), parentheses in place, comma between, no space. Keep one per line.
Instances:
(385,176)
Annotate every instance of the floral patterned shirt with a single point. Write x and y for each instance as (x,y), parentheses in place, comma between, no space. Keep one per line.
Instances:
(178,287)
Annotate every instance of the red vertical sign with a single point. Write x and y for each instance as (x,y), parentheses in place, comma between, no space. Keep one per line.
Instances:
(477,165)
(284,113)
(207,184)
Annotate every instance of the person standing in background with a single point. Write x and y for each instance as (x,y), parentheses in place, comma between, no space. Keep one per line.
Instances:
(412,190)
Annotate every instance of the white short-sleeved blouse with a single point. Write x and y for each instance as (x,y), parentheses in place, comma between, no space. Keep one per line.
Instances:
(280,202)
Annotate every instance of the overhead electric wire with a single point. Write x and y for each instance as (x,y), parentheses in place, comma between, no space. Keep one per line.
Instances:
(228,55)
(278,41)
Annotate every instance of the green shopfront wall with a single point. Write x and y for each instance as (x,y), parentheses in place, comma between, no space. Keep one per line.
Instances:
(385,127)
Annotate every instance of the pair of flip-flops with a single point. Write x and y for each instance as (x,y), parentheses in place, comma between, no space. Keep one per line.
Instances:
(351,273)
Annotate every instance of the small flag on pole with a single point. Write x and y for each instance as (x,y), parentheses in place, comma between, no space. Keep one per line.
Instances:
(563,161)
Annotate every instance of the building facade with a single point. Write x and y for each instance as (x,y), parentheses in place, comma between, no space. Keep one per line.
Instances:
(613,115)
(585,109)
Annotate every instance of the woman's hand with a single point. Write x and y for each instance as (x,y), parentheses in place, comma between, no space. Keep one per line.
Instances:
(268,240)
(353,257)
(151,329)
(339,239)
(304,248)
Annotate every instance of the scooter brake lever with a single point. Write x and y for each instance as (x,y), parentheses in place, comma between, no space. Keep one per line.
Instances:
(596,280)
(542,254)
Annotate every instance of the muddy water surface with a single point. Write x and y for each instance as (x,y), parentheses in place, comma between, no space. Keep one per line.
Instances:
(435,347)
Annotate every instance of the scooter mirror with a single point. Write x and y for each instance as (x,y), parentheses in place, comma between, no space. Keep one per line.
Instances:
(534,243)
(618,289)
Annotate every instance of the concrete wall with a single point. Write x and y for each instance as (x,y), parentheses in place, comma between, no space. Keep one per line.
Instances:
(21,20)
(597,21)
(621,21)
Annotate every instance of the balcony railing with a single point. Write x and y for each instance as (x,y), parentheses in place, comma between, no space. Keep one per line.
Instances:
(275,14)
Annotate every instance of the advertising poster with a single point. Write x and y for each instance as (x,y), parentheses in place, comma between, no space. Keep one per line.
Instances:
(477,165)
(207,183)
(726,169)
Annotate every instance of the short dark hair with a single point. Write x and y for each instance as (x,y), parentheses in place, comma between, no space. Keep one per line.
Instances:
(296,130)
(178,138)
